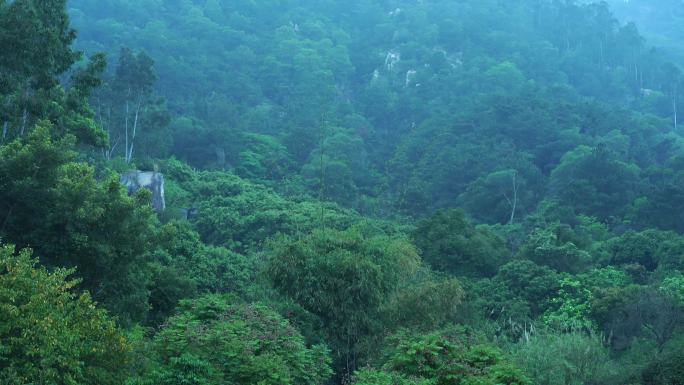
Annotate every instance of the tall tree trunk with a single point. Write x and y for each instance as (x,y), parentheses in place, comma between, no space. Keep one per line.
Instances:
(674,111)
(109,152)
(135,130)
(24,118)
(514,203)
(126,130)
(4,131)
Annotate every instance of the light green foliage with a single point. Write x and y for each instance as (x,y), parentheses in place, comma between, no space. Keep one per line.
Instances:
(441,358)
(241,216)
(674,286)
(216,269)
(229,342)
(264,158)
(184,370)
(567,359)
(182,266)
(502,77)
(49,333)
(552,124)
(331,180)
(605,277)
(376,377)
(570,309)
(449,242)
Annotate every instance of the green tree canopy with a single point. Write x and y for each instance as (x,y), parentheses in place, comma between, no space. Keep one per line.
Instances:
(50,333)
(344,278)
(230,342)
(449,242)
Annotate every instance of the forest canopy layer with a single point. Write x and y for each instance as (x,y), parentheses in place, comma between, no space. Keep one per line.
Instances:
(360,192)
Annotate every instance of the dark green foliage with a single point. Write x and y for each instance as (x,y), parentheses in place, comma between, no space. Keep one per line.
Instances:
(183,266)
(36,40)
(426,305)
(635,311)
(449,242)
(458,96)
(344,278)
(667,369)
(650,249)
(312,152)
(593,182)
(530,282)
(551,247)
(75,221)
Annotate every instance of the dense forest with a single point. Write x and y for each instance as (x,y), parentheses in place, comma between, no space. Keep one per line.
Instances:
(358,192)
(660,21)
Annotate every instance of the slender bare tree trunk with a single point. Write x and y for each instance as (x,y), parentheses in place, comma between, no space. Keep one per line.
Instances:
(110,152)
(514,205)
(674,111)
(135,130)
(24,118)
(4,131)
(5,124)
(126,129)
(112,146)
(24,113)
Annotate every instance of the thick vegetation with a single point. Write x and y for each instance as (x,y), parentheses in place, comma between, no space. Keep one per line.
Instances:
(367,192)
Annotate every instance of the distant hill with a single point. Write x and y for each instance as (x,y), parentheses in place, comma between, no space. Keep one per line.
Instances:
(660,21)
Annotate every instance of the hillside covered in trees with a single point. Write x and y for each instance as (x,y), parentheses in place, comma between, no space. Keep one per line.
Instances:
(359,192)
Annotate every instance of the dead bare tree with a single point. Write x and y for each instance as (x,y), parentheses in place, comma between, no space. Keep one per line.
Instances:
(513,201)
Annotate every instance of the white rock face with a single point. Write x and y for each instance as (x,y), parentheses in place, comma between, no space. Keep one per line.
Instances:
(153,181)
(410,74)
(392,59)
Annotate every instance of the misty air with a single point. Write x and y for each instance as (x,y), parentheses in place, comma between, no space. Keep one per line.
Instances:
(341,192)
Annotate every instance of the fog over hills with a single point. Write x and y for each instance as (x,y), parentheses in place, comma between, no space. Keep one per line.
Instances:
(327,192)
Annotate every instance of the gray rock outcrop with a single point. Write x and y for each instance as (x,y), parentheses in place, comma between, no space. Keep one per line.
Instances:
(153,181)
